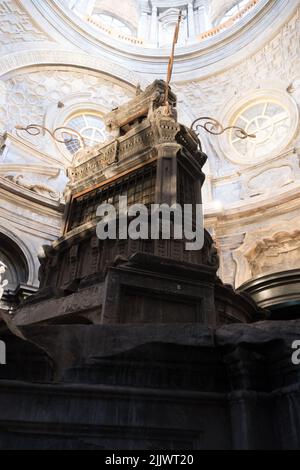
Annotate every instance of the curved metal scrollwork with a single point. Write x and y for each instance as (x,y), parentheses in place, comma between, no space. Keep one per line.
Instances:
(214,127)
(36,129)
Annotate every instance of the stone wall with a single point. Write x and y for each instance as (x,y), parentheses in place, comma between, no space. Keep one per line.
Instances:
(115,387)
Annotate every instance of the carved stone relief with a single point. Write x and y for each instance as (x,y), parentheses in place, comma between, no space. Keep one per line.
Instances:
(16,26)
(39,188)
(262,254)
(265,181)
(279,253)
(30,96)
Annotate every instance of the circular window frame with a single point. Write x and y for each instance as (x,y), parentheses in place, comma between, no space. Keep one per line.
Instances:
(230,116)
(75,105)
(82,112)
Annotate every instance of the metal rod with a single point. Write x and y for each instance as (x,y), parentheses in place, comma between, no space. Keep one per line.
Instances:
(36,129)
(214,127)
(171,60)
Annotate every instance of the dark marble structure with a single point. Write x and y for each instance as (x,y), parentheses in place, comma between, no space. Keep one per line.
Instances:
(137,344)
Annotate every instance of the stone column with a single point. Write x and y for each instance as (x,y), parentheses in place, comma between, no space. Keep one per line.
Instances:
(204,23)
(154,25)
(143,29)
(3,97)
(191,21)
(166,129)
(3,92)
(166,182)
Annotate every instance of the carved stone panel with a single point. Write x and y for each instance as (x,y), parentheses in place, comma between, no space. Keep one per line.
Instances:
(261,254)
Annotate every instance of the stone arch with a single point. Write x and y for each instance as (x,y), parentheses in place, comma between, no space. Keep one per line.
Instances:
(25,252)
(22,60)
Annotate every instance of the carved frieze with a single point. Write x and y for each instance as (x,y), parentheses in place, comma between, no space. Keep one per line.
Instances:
(264,181)
(165,127)
(38,188)
(262,254)
(105,156)
(278,253)
(16,26)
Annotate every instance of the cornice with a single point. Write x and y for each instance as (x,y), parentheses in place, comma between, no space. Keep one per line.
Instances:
(21,224)
(26,147)
(57,56)
(33,169)
(242,213)
(17,190)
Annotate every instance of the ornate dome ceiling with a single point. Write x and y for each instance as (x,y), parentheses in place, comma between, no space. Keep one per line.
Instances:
(150,23)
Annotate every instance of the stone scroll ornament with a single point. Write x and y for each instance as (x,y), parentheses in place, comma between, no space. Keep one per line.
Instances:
(3,282)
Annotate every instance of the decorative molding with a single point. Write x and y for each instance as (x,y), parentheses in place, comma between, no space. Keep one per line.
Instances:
(282,250)
(38,188)
(50,171)
(230,22)
(232,109)
(16,26)
(81,60)
(33,97)
(281,288)
(200,59)
(37,195)
(272,177)
(27,249)
(266,252)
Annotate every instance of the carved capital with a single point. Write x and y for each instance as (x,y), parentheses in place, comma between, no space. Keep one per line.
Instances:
(165,126)
(167,149)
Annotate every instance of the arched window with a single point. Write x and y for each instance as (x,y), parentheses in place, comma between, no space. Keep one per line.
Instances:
(90,126)
(114,23)
(237,8)
(270,121)
(15,262)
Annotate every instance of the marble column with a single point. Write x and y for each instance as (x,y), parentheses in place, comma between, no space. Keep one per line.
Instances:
(191,21)
(3,104)
(3,92)
(204,23)
(154,24)
(143,29)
